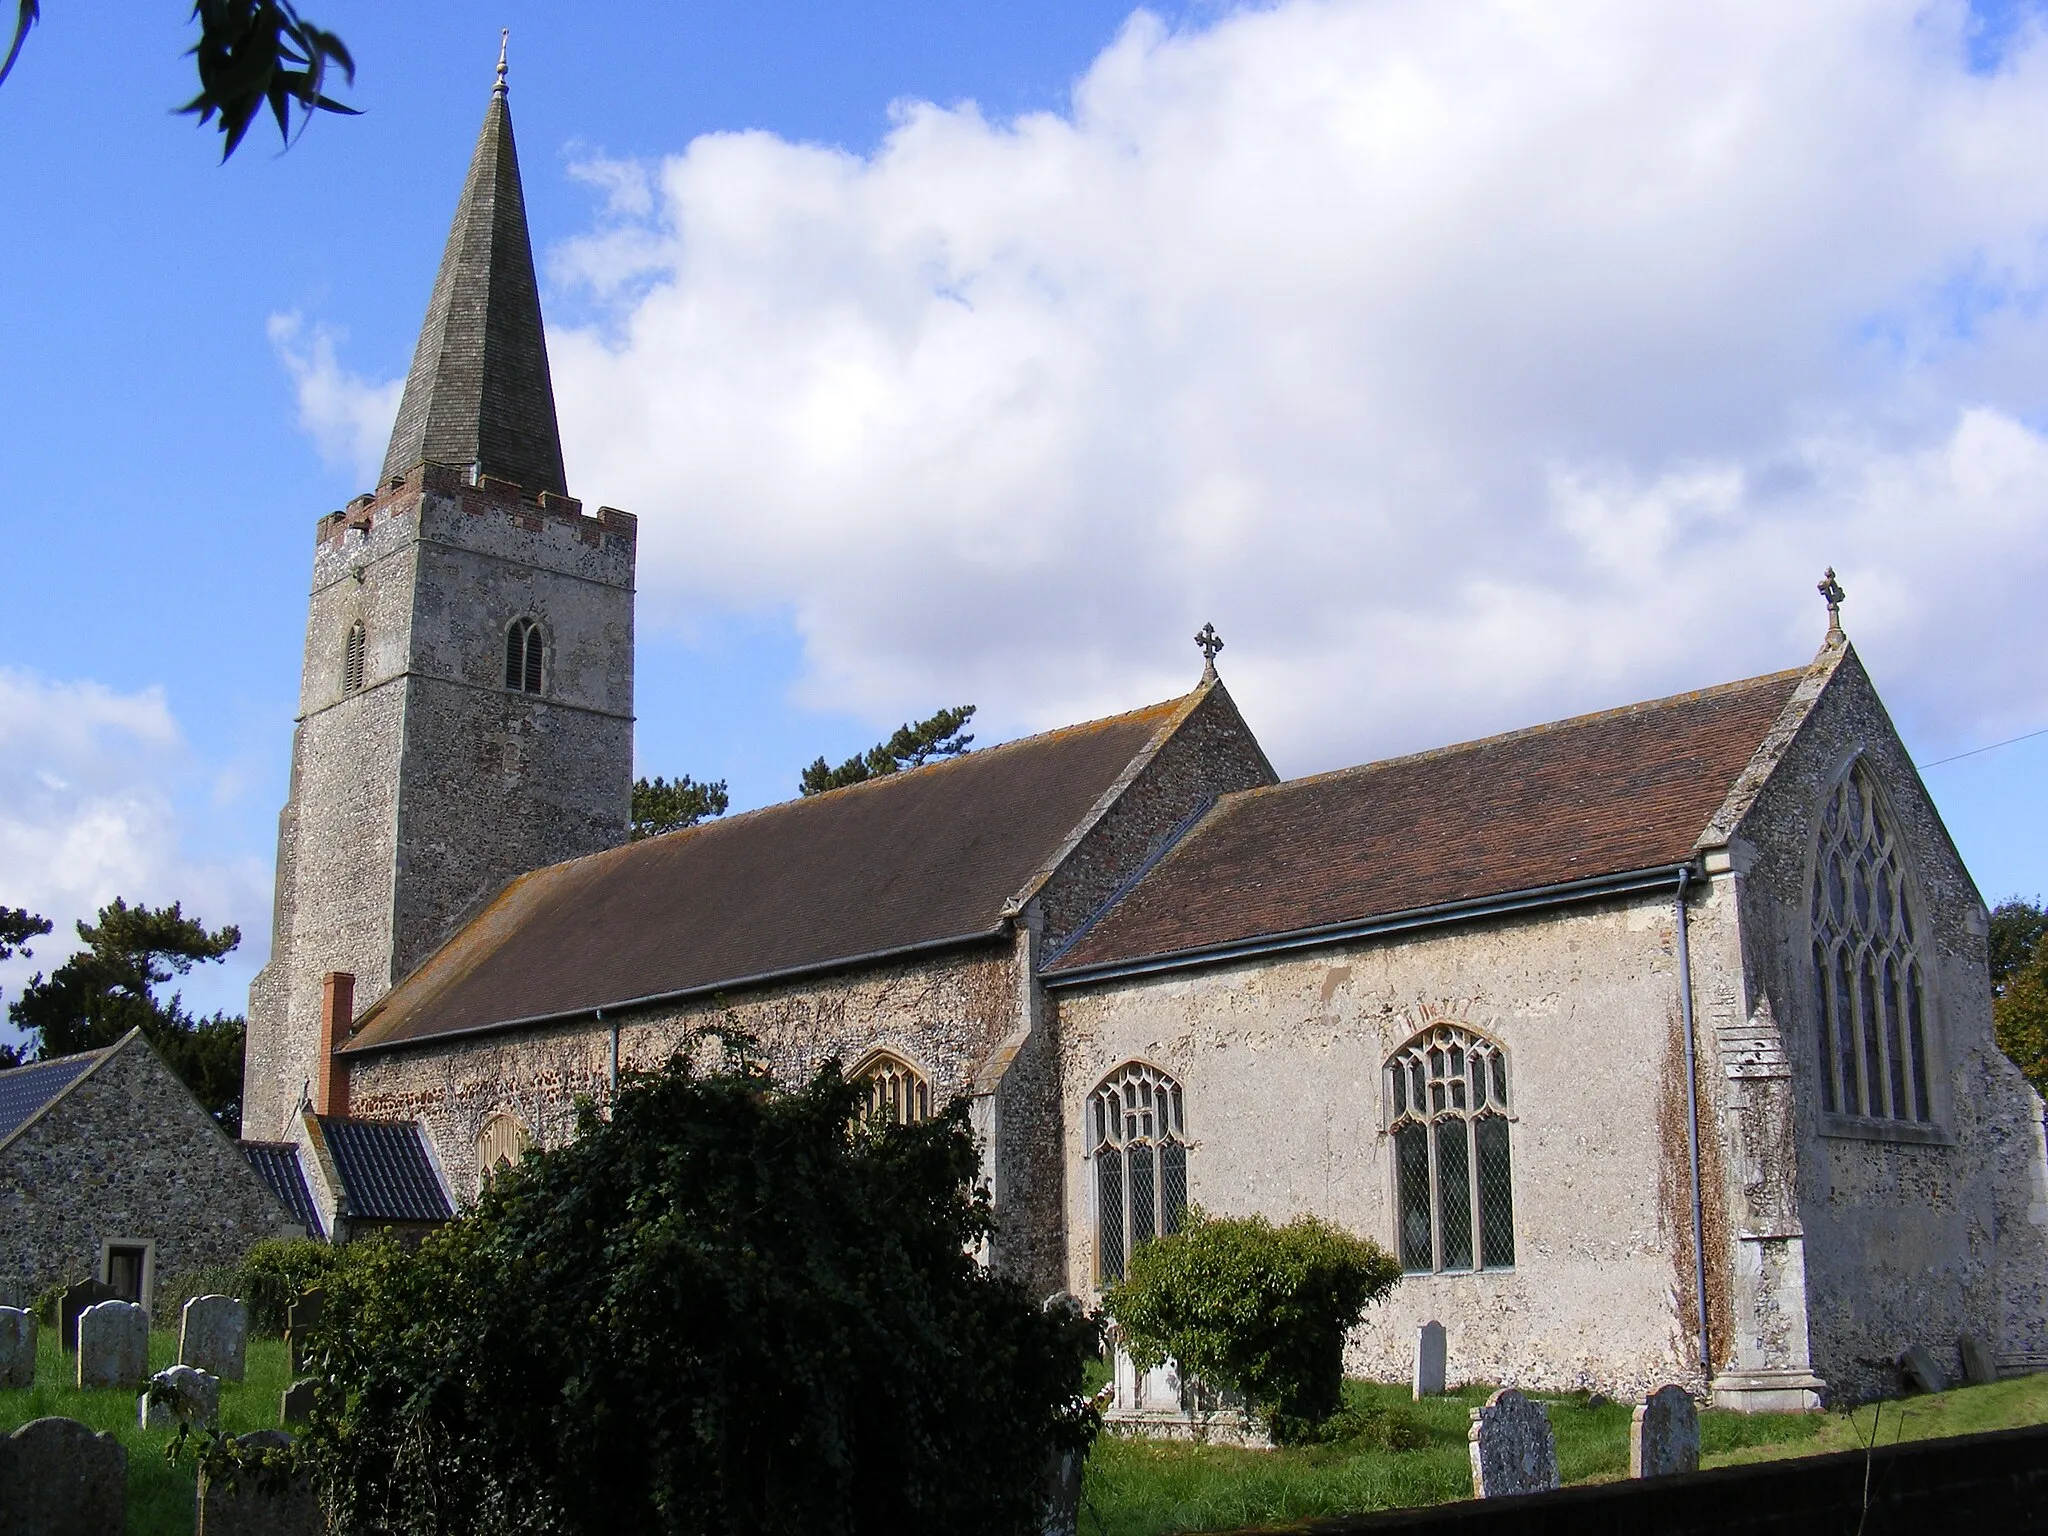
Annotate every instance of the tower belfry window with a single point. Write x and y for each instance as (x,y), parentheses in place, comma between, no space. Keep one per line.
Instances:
(352,659)
(525,650)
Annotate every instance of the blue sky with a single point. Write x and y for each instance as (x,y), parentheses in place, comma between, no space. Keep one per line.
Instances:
(1464,375)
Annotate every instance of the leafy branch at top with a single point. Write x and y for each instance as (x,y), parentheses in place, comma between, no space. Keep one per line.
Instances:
(911,747)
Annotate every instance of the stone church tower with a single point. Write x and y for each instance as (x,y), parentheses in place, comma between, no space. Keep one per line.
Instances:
(466,708)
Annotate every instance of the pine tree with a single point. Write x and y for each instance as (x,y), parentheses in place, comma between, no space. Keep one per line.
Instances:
(911,747)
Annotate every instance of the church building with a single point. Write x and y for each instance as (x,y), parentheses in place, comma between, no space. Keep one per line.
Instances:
(1656,1043)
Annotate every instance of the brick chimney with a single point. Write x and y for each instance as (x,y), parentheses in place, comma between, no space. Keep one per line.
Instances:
(337,1013)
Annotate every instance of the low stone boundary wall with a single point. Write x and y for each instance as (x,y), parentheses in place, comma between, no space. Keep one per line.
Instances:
(1992,1482)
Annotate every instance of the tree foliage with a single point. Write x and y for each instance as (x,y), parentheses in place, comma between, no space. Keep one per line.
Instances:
(911,747)
(109,987)
(726,1308)
(1257,1309)
(660,806)
(251,54)
(2019,986)
(17,926)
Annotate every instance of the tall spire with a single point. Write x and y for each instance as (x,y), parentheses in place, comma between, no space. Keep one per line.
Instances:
(479,392)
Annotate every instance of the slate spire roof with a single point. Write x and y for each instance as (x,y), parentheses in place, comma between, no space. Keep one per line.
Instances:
(479,392)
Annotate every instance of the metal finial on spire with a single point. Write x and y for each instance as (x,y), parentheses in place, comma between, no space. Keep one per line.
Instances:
(1209,643)
(1832,594)
(504,42)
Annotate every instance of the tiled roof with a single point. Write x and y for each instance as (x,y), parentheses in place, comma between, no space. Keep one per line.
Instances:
(25,1090)
(385,1170)
(1607,794)
(927,856)
(277,1164)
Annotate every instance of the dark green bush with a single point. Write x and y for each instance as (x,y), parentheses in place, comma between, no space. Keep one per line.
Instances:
(276,1271)
(174,1291)
(1256,1309)
(728,1308)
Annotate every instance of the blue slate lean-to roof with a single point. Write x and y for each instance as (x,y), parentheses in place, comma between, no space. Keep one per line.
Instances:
(277,1164)
(25,1090)
(385,1170)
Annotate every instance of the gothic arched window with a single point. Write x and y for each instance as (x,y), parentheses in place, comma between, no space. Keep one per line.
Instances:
(897,1091)
(1869,991)
(501,1143)
(1447,1107)
(353,659)
(524,647)
(1138,1142)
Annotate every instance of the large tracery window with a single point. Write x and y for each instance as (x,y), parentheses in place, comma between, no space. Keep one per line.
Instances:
(501,1143)
(1447,1107)
(1869,992)
(524,648)
(897,1091)
(1138,1142)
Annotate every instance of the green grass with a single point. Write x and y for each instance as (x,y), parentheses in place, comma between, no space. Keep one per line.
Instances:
(1396,1453)
(160,1495)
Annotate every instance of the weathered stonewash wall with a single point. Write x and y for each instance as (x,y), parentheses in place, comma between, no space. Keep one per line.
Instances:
(128,1153)
(948,1014)
(1903,1240)
(1281,1060)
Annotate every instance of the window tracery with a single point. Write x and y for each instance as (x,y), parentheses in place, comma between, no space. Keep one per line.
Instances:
(354,658)
(501,1143)
(1869,989)
(525,648)
(897,1092)
(1447,1109)
(1138,1143)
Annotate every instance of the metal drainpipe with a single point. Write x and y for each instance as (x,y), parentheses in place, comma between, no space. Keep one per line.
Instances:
(612,1076)
(1692,1121)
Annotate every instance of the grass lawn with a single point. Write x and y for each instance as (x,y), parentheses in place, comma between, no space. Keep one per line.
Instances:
(1399,1453)
(160,1496)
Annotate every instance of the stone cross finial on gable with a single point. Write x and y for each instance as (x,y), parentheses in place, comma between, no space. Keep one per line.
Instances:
(1209,643)
(504,42)
(1832,594)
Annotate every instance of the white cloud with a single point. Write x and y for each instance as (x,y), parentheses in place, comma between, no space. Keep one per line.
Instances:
(1465,363)
(90,783)
(347,416)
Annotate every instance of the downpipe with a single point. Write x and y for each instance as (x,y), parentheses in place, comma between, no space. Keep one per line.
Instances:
(1692,1122)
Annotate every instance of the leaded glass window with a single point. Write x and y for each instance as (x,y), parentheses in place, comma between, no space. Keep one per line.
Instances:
(1869,990)
(1138,1142)
(897,1092)
(1447,1109)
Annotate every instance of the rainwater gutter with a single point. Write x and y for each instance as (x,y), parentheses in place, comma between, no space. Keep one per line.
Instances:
(1692,1120)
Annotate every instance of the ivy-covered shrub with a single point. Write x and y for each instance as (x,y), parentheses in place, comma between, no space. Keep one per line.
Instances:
(275,1272)
(1256,1309)
(173,1291)
(727,1308)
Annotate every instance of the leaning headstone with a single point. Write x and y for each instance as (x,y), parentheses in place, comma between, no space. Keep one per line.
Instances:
(1431,1356)
(17,1347)
(58,1478)
(180,1395)
(1513,1450)
(297,1404)
(1665,1437)
(301,1321)
(260,1501)
(113,1345)
(1980,1366)
(213,1336)
(1917,1368)
(71,1304)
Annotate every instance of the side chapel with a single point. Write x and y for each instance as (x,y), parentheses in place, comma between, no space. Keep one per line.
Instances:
(1657,1043)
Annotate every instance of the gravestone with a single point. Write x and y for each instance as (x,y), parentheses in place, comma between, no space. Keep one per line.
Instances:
(58,1478)
(14,1292)
(113,1345)
(213,1336)
(17,1347)
(297,1404)
(1513,1450)
(180,1394)
(260,1502)
(1059,1495)
(71,1305)
(1431,1356)
(301,1322)
(1665,1437)
(1920,1373)
(1980,1366)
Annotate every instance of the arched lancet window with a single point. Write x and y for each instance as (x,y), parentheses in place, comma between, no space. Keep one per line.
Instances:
(502,1142)
(897,1091)
(1138,1141)
(1447,1107)
(1869,991)
(353,659)
(524,647)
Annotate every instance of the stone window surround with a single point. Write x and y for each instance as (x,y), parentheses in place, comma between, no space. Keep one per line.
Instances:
(503,1133)
(1937,1130)
(1502,1108)
(883,1065)
(525,626)
(1159,1137)
(103,1271)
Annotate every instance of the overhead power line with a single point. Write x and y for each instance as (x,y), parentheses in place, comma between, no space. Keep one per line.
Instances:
(2009,741)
